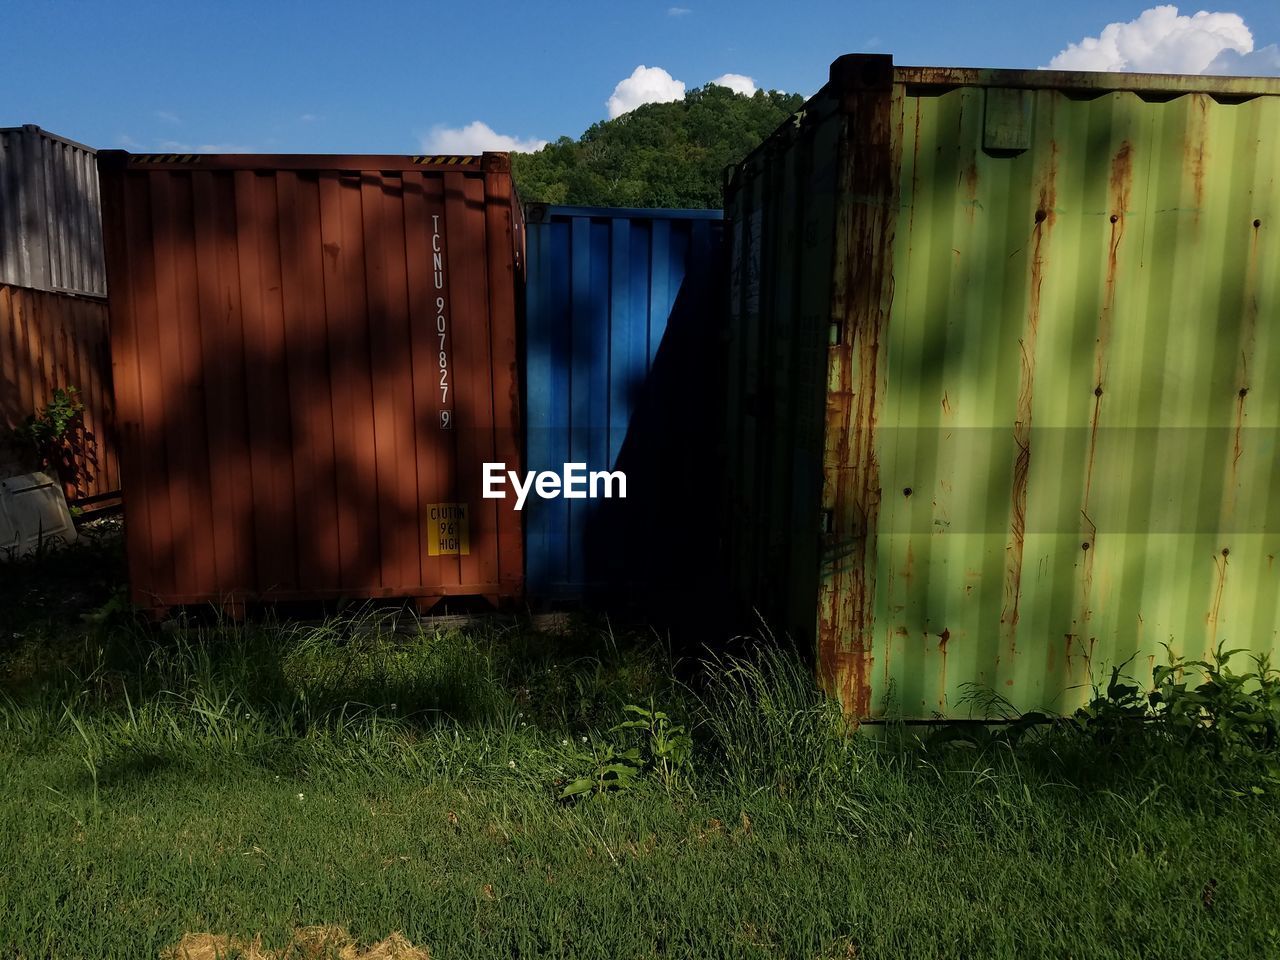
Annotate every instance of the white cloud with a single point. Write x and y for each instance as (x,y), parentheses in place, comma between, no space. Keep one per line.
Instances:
(168,117)
(1159,41)
(645,85)
(678,11)
(1263,62)
(737,83)
(178,146)
(126,142)
(476,137)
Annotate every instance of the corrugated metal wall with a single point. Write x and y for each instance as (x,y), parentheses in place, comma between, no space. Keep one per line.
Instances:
(1051,429)
(47,341)
(781,208)
(621,348)
(50,215)
(1105,293)
(283,332)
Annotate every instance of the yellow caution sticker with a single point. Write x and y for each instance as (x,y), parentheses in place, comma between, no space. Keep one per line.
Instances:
(448,533)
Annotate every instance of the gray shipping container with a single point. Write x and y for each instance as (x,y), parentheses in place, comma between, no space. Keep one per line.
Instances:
(50,215)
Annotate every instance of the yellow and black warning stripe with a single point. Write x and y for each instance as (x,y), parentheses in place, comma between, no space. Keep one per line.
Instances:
(455,161)
(164,158)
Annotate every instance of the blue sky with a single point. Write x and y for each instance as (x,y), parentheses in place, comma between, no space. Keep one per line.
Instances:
(398,77)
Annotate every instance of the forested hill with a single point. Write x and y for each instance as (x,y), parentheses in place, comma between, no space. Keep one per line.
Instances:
(658,155)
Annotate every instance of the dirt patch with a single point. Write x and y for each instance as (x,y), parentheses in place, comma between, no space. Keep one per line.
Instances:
(308,943)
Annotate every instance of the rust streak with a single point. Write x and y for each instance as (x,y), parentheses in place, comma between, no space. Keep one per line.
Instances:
(1120,188)
(942,669)
(1249,322)
(1236,450)
(1195,150)
(970,180)
(1044,220)
(1220,568)
(861,302)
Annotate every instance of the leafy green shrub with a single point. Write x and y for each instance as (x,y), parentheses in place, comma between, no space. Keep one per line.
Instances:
(658,746)
(1198,721)
(47,431)
(1228,720)
(611,771)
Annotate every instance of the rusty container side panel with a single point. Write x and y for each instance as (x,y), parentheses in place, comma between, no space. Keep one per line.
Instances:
(781,208)
(313,358)
(50,215)
(621,347)
(1050,439)
(50,341)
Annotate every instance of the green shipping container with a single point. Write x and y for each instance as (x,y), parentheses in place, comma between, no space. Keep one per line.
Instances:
(1004,381)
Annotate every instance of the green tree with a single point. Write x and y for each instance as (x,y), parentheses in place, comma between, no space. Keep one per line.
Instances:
(658,155)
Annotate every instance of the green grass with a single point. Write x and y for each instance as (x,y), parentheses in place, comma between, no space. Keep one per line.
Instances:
(384,777)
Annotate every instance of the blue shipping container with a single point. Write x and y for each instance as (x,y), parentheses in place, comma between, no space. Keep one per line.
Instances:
(621,374)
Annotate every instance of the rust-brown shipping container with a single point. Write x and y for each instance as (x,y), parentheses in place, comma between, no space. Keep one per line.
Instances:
(313,356)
